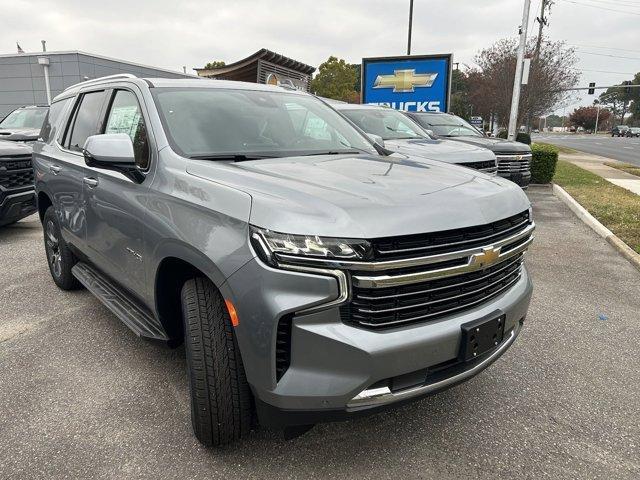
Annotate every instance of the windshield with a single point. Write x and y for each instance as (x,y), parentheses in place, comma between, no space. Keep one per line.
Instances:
(25,118)
(219,123)
(387,123)
(445,125)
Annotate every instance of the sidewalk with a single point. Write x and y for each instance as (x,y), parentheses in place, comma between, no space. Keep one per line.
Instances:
(595,164)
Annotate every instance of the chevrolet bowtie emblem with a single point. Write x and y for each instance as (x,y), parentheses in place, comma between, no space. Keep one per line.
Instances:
(488,256)
(405,80)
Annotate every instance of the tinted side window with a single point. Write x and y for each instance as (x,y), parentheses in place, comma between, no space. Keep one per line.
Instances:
(86,120)
(125,117)
(50,125)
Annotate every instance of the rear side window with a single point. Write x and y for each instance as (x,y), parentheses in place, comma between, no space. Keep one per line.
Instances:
(50,125)
(125,117)
(86,120)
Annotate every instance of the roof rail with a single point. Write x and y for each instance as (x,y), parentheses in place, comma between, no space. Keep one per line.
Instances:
(101,79)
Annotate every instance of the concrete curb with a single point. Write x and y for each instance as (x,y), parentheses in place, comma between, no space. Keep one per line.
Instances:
(624,249)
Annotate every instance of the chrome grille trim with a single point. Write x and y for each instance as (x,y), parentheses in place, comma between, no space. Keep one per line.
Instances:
(452,244)
(441,312)
(436,289)
(433,302)
(381,281)
(409,262)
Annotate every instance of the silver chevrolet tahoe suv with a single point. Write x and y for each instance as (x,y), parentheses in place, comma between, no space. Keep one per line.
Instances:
(312,275)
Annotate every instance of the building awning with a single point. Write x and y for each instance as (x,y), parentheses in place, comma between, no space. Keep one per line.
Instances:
(246,69)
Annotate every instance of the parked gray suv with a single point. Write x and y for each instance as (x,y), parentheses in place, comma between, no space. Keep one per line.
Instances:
(311,276)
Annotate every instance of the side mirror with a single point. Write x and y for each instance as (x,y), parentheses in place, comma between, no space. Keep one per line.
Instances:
(111,151)
(376,139)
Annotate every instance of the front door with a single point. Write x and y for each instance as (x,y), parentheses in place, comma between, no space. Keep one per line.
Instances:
(115,203)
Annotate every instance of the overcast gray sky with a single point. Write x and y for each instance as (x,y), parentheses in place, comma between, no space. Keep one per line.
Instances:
(170,33)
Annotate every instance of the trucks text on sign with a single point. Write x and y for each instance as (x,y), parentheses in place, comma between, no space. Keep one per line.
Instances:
(410,83)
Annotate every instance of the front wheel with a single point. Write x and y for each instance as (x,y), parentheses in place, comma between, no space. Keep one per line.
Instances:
(221,401)
(59,256)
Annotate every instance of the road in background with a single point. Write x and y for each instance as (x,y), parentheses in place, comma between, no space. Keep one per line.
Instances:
(623,149)
(82,397)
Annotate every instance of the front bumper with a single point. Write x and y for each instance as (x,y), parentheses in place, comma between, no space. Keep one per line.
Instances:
(15,206)
(331,362)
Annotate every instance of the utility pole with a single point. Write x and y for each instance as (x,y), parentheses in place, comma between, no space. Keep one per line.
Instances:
(517,81)
(410,24)
(597,116)
(542,21)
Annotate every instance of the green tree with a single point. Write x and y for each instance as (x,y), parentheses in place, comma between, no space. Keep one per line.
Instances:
(460,104)
(585,117)
(215,64)
(336,79)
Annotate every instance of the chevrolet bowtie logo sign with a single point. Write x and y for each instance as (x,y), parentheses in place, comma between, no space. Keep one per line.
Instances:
(403,81)
(488,256)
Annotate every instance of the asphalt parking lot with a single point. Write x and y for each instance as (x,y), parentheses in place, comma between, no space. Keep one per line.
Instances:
(83,397)
(622,149)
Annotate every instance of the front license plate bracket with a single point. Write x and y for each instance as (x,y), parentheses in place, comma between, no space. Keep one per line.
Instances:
(481,336)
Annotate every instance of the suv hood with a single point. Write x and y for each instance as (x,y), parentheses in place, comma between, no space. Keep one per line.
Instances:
(441,150)
(13,148)
(496,145)
(19,134)
(364,196)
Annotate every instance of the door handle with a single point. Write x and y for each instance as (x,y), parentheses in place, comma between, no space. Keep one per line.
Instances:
(90,182)
(55,169)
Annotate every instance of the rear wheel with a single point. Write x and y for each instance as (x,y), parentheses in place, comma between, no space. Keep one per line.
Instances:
(59,256)
(221,401)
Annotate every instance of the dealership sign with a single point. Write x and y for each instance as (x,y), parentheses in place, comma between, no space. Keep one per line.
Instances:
(411,83)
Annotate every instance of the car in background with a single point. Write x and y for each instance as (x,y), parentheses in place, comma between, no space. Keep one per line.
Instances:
(619,131)
(633,132)
(398,133)
(514,158)
(17,191)
(23,124)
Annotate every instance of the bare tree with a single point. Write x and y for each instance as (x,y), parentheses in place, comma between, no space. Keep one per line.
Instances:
(491,82)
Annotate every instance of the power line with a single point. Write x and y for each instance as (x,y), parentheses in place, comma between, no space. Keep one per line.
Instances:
(601,8)
(604,48)
(602,71)
(625,3)
(608,55)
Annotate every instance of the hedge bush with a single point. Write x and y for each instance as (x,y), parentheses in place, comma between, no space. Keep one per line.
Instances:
(521,137)
(543,163)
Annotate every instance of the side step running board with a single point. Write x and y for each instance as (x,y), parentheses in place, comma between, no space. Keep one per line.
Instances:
(137,318)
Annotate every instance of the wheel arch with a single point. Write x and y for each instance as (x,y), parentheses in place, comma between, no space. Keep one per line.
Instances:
(44,202)
(179,263)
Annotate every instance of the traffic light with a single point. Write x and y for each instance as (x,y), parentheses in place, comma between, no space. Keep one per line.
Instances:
(592,89)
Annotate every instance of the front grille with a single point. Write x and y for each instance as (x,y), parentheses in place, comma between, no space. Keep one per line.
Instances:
(425,277)
(392,248)
(382,307)
(16,172)
(488,166)
(514,163)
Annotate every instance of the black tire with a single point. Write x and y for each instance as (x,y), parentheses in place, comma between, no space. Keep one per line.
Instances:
(59,256)
(221,401)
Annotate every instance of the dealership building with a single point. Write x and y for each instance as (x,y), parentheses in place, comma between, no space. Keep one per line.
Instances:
(23,76)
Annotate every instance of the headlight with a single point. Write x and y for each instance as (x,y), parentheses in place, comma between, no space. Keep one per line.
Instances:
(530,214)
(270,244)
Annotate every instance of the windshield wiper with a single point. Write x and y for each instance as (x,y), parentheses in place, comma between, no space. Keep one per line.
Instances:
(236,157)
(332,152)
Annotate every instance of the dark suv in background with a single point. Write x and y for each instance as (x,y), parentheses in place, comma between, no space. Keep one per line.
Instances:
(514,158)
(23,124)
(17,194)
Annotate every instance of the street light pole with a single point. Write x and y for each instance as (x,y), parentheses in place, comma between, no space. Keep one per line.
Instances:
(517,81)
(410,24)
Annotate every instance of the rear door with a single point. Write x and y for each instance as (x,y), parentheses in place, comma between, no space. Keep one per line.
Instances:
(115,203)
